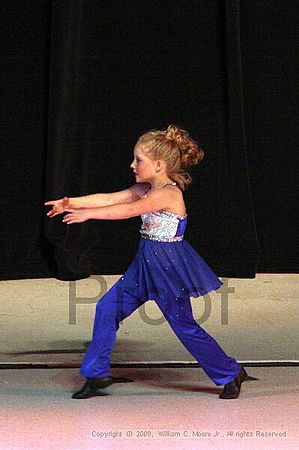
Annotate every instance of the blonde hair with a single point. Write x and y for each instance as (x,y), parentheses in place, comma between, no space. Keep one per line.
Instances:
(176,148)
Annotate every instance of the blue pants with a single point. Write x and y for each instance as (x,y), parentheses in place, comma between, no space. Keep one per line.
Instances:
(116,305)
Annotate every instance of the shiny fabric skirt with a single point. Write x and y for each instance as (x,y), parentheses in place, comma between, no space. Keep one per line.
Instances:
(164,269)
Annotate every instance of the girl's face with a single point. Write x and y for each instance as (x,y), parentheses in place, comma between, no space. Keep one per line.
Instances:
(144,167)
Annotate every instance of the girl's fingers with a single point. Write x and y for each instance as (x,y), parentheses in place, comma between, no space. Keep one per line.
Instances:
(67,218)
(52,212)
(54,202)
(71,218)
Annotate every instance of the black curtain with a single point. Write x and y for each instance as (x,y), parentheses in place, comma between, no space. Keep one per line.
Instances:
(82,80)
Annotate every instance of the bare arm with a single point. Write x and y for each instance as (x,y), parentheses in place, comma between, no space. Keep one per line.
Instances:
(160,199)
(96,200)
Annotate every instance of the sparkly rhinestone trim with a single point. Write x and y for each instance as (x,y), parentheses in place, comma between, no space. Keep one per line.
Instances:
(161,239)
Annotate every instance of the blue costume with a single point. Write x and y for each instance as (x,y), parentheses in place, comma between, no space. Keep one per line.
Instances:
(168,270)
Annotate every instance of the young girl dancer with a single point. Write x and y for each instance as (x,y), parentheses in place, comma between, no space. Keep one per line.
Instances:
(166,268)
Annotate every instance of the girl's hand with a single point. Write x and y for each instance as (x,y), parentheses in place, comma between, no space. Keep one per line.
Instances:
(77,216)
(59,206)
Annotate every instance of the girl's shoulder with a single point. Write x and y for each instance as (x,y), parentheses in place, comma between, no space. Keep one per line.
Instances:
(174,199)
(173,191)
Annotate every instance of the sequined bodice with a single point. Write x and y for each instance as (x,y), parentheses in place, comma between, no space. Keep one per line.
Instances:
(163,226)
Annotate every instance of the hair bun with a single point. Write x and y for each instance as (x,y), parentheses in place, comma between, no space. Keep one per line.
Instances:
(191,154)
(172,133)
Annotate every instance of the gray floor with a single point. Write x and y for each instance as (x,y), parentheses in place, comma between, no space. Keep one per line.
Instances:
(161,408)
(49,321)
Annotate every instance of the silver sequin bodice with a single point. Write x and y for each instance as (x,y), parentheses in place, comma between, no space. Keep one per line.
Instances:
(163,226)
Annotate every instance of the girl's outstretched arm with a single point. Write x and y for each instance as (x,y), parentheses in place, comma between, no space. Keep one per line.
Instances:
(65,204)
(157,200)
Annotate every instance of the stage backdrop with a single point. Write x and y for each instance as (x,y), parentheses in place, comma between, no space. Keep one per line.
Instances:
(82,79)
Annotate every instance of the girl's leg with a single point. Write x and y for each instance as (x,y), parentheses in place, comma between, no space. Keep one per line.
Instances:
(111,309)
(220,367)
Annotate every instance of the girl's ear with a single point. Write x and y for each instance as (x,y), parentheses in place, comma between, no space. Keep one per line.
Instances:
(159,165)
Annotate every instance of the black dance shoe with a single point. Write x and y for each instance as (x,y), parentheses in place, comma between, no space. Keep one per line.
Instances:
(232,390)
(92,387)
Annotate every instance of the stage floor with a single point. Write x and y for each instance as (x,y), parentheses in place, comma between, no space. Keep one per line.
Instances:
(161,408)
(50,321)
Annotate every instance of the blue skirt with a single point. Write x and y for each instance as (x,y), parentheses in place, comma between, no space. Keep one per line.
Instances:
(166,269)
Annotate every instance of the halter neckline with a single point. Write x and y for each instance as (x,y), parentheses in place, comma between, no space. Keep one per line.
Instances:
(149,188)
(173,183)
